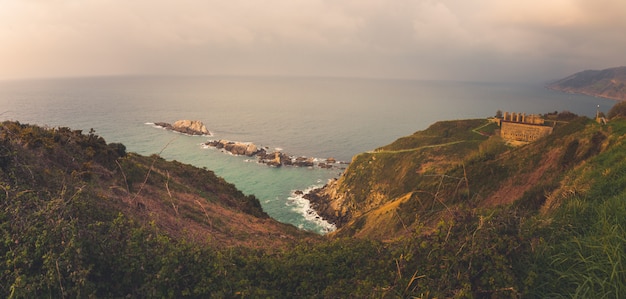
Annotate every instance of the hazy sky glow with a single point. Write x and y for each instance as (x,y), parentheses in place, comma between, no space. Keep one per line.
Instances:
(478,40)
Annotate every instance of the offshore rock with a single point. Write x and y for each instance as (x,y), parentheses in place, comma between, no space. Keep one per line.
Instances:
(191,127)
(236,148)
(242,149)
(276,161)
(304,162)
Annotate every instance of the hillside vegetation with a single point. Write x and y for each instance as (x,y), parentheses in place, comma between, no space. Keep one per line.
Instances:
(609,83)
(448,212)
(80,217)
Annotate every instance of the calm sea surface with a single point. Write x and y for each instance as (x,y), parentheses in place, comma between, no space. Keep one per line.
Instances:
(313,117)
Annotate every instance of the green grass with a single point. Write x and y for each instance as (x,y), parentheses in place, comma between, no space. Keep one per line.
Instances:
(583,252)
(588,256)
(443,132)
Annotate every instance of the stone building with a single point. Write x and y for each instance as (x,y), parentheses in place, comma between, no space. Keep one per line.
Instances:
(522,127)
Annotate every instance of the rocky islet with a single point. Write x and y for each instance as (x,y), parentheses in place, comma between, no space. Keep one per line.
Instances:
(271,158)
(190,127)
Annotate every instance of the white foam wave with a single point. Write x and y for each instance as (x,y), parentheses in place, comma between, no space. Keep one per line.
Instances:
(154,125)
(303,207)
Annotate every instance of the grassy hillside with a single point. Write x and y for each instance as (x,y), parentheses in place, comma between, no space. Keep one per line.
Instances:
(452,165)
(448,212)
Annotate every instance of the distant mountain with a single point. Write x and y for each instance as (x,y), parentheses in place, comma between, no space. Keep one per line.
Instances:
(608,83)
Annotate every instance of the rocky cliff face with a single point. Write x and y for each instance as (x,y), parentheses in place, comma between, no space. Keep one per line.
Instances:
(331,203)
(609,83)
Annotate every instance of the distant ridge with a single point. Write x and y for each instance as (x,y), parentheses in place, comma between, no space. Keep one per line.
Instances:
(608,83)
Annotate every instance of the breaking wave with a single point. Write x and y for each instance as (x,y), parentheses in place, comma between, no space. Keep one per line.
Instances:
(302,205)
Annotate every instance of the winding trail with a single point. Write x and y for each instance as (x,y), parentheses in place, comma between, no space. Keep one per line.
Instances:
(475,130)
(417,148)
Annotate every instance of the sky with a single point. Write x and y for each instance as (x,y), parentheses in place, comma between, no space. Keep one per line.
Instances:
(477,40)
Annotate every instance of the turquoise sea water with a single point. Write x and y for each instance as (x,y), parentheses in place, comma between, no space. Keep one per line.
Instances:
(313,117)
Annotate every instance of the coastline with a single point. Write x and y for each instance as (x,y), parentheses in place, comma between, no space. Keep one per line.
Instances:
(582,92)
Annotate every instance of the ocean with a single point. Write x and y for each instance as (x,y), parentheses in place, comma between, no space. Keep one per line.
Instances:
(312,117)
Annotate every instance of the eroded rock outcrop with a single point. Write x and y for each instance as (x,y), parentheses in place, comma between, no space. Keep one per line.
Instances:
(191,127)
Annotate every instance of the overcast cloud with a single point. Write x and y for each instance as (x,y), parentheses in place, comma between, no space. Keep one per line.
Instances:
(479,40)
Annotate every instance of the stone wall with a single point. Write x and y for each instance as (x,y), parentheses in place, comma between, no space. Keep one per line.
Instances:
(523,131)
